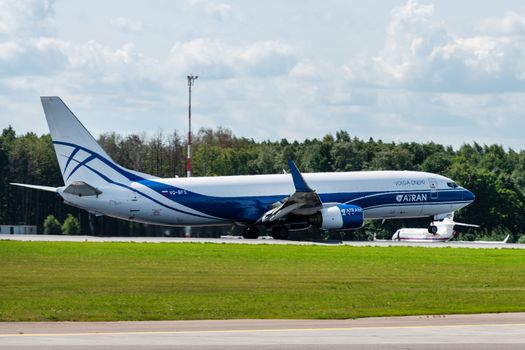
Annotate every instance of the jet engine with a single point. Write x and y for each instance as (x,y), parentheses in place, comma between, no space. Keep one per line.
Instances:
(337,217)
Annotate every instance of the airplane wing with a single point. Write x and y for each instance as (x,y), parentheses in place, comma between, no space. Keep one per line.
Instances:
(304,201)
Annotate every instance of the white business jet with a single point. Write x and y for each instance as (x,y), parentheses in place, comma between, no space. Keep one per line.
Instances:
(438,231)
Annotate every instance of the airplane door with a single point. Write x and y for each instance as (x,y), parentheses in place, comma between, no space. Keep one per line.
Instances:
(433,188)
(134,205)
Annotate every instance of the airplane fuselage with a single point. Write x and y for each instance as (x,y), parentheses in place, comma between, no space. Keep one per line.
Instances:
(244,199)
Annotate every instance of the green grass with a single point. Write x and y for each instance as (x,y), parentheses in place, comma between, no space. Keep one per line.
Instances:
(42,281)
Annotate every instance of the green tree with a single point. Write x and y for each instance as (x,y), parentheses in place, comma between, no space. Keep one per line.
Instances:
(71,225)
(320,156)
(436,163)
(52,226)
(346,157)
(7,139)
(395,158)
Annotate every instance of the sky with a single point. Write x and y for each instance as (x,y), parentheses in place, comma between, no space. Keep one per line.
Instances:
(447,71)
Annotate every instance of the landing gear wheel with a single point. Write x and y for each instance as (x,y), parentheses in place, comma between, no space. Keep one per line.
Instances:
(279,232)
(432,229)
(250,232)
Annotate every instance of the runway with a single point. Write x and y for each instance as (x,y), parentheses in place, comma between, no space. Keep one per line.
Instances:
(483,331)
(261,240)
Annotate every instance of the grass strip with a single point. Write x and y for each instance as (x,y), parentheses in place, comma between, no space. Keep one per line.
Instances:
(68,281)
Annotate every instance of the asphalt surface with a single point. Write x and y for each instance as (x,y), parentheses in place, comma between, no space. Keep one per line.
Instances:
(482,331)
(261,240)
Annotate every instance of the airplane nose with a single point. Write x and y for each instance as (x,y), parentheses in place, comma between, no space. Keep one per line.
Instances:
(468,196)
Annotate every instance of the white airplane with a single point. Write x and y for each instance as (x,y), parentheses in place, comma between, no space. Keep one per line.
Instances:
(94,182)
(438,231)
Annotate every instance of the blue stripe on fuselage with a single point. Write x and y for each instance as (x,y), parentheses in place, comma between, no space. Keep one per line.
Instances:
(251,208)
(243,209)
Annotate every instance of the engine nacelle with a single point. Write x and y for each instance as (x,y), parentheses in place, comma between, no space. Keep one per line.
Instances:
(340,216)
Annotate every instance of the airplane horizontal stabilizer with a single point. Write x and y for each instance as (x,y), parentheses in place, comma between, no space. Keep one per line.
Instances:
(463,224)
(37,187)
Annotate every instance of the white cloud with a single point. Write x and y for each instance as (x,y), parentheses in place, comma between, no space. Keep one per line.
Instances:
(127,25)
(218,11)
(512,23)
(411,35)
(25,44)
(33,56)
(421,53)
(205,57)
(218,60)
(304,70)
(266,58)
(9,50)
(25,17)
(97,57)
(482,55)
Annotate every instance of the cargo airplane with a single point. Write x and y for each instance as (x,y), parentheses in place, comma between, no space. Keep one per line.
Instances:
(329,201)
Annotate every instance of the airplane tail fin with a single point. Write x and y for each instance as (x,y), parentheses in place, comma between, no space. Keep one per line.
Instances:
(80,157)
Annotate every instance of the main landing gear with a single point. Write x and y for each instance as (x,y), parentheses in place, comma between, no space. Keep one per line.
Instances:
(250,232)
(279,232)
(432,229)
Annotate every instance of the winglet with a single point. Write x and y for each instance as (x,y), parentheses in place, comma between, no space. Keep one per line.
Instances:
(298,180)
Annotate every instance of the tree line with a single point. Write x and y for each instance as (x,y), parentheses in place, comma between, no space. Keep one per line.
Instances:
(496,175)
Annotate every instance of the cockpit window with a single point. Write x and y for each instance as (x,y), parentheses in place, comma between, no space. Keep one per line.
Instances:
(452,184)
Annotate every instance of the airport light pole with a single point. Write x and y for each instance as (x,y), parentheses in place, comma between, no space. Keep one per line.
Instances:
(191,81)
